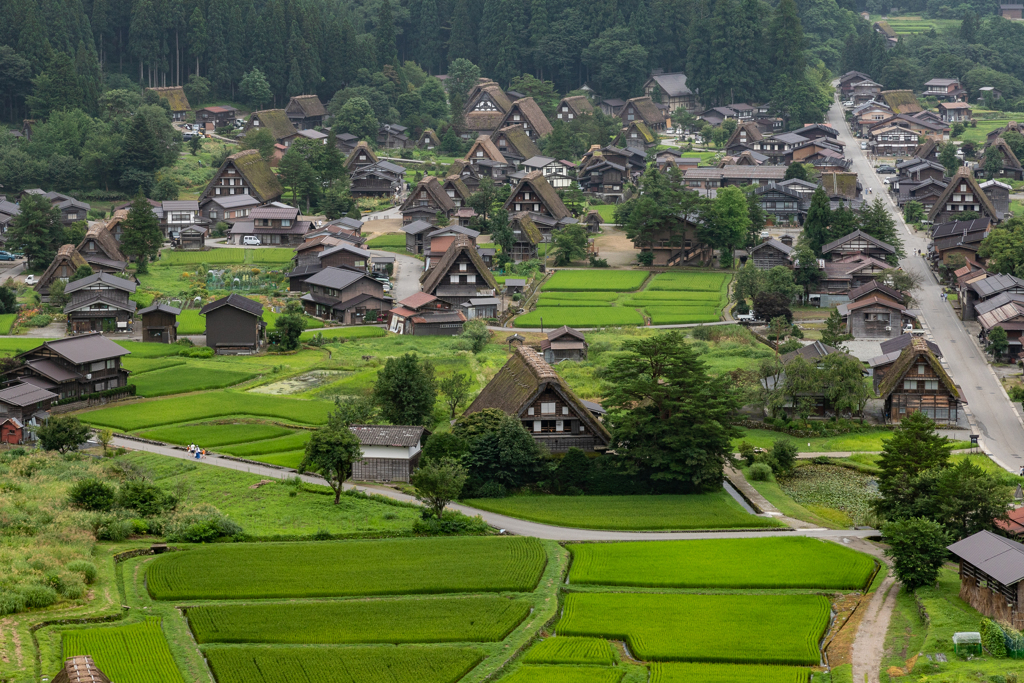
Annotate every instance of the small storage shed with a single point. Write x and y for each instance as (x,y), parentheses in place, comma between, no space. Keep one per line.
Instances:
(481,307)
(234,325)
(564,343)
(12,430)
(991,573)
(192,238)
(593,221)
(160,323)
(515,285)
(390,453)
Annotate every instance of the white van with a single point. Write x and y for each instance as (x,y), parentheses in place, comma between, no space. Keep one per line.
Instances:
(251,241)
(863,145)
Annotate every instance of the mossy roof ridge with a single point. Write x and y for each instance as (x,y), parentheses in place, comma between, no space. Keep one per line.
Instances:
(918,348)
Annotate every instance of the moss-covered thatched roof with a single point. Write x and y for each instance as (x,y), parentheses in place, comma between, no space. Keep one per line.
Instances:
(275,121)
(175,97)
(917,349)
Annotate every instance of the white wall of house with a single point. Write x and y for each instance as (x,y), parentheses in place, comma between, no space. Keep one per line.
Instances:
(391,452)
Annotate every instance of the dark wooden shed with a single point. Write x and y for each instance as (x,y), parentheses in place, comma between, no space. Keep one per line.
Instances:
(991,573)
(160,323)
(234,325)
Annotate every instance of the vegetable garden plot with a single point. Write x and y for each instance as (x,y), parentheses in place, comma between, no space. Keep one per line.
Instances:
(755,629)
(425,620)
(755,563)
(571,650)
(341,664)
(307,570)
(209,435)
(175,380)
(564,674)
(136,653)
(595,281)
(580,317)
(689,281)
(672,672)
(207,406)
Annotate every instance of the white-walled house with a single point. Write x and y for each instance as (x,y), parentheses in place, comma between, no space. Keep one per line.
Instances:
(390,453)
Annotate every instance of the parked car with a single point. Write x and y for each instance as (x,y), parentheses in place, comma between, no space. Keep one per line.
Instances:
(886,169)
(7,256)
(863,145)
(251,241)
(748,317)
(848,103)
(30,280)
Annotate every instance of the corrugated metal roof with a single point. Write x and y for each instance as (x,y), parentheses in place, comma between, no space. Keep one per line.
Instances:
(999,557)
(387,435)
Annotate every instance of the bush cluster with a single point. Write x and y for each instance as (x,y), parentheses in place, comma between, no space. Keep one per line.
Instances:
(451,523)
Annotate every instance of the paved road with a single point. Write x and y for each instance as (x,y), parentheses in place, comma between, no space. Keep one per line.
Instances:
(1000,429)
(405,281)
(515,526)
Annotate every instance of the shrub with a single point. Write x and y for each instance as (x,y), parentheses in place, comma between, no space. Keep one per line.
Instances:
(783,455)
(11,602)
(197,352)
(917,547)
(86,569)
(992,638)
(450,524)
(111,528)
(39,320)
(202,524)
(92,494)
(760,472)
(747,453)
(144,497)
(38,596)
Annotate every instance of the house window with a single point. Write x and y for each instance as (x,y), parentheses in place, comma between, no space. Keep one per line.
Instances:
(630,117)
(565,108)
(218,190)
(454,279)
(565,410)
(515,117)
(536,425)
(530,411)
(72,216)
(462,267)
(920,369)
(910,384)
(213,214)
(547,408)
(286,223)
(526,195)
(471,278)
(570,117)
(479,153)
(931,384)
(518,207)
(558,425)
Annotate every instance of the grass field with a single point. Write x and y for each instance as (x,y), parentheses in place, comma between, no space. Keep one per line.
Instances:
(428,620)
(722,563)
(341,664)
(210,405)
(564,674)
(136,653)
(346,332)
(756,629)
(857,441)
(585,316)
(571,650)
(181,258)
(629,513)
(212,435)
(6,321)
(677,672)
(297,570)
(177,380)
(390,239)
(607,212)
(686,281)
(595,281)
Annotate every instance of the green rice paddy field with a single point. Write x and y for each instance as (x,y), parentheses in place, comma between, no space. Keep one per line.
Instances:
(571,650)
(593,299)
(564,674)
(226,255)
(677,672)
(120,651)
(629,513)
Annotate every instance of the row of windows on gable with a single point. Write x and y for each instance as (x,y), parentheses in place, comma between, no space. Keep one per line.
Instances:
(541,426)
(454,278)
(232,190)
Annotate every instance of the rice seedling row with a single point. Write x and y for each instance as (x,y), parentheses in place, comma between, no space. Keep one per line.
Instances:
(689,281)
(673,672)
(672,315)
(213,404)
(6,321)
(580,317)
(307,570)
(136,653)
(564,674)
(341,664)
(756,563)
(593,281)
(272,255)
(484,619)
(571,650)
(367,331)
(176,380)
(225,255)
(291,442)
(580,296)
(755,629)
(212,435)
(140,366)
(543,302)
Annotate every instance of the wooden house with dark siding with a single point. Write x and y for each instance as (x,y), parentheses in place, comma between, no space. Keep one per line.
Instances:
(74,366)
(425,201)
(486,105)
(963,193)
(244,173)
(593,221)
(360,156)
(1007,312)
(528,388)
(527,237)
(959,237)
(160,323)
(345,295)
(228,209)
(305,112)
(465,171)
(415,236)
(487,160)
(637,136)
(101,251)
(175,98)
(439,239)
(743,138)
(234,325)
(771,253)
(425,315)
(218,117)
(457,190)
(515,145)
(390,452)
(917,382)
(571,108)
(64,265)
(274,121)
(21,404)
(979,287)
(99,303)
(784,205)
(676,246)
(525,113)
(1011,165)
(564,344)
(672,90)
(428,140)
(460,275)
(857,242)
(876,317)
(382,179)
(643,109)
(535,195)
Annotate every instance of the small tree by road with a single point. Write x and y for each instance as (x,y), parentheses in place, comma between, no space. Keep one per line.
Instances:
(330,452)
(438,483)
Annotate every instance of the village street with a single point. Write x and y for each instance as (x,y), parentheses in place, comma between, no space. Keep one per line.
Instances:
(997,423)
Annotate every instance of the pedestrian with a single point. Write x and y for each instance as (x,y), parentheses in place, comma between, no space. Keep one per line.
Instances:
(1021,473)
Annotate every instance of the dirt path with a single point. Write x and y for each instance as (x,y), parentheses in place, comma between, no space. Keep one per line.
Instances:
(870,643)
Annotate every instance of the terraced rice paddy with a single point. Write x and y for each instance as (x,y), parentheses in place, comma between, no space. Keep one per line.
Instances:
(571,650)
(564,674)
(688,281)
(212,435)
(340,664)
(595,281)
(580,317)
(136,653)
(629,513)
(176,380)
(761,563)
(755,629)
(300,570)
(421,620)
(673,672)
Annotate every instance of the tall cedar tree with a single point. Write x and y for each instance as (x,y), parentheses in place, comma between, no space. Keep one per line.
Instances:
(818,221)
(384,35)
(462,43)
(915,447)
(669,418)
(786,41)
(876,221)
(36,230)
(406,391)
(141,238)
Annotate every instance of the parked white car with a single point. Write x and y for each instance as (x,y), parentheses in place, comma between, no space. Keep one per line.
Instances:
(251,241)
(30,280)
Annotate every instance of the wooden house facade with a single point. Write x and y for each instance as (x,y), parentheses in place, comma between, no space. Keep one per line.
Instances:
(771,253)
(917,382)
(515,144)
(857,242)
(361,155)
(962,194)
(428,140)
(643,109)
(235,325)
(160,323)
(564,344)
(390,452)
(244,173)
(525,113)
(570,108)
(991,569)
(74,366)
(64,265)
(347,296)
(175,98)
(425,201)
(527,237)
(425,315)
(305,112)
(460,275)
(99,303)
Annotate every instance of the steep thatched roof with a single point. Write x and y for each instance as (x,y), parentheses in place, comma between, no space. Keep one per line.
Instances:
(175,97)
(521,380)
(917,349)
(275,121)
(80,669)
(308,105)
(579,103)
(255,171)
(901,101)
(963,175)
(461,244)
(646,136)
(745,133)
(1009,158)
(489,149)
(646,107)
(530,110)
(454,182)
(66,254)
(434,189)
(527,227)
(106,241)
(926,148)
(428,135)
(518,138)
(539,184)
(364,147)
